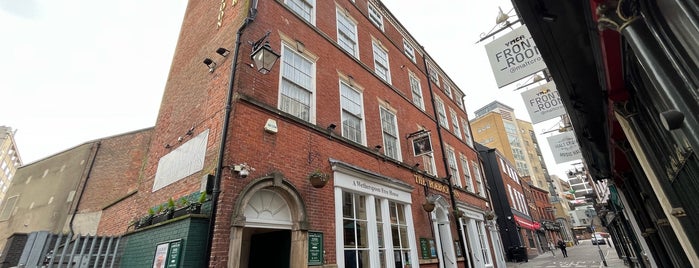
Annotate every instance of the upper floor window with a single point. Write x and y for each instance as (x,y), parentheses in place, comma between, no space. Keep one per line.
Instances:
(428,162)
(447,90)
(303,8)
(347,33)
(417,91)
(298,79)
(352,113)
(409,51)
(434,76)
(455,122)
(442,113)
(389,128)
(467,173)
(479,179)
(467,132)
(381,62)
(453,169)
(459,99)
(375,17)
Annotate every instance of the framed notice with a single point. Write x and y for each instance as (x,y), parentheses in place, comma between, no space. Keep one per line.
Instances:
(422,145)
(315,248)
(159,260)
(167,254)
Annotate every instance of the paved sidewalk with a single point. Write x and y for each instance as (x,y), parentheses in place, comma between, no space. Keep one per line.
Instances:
(583,255)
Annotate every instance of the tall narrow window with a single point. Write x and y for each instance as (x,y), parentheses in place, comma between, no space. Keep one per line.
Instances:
(467,132)
(485,250)
(417,91)
(389,128)
(352,113)
(434,76)
(399,233)
(467,174)
(347,33)
(380,231)
(409,51)
(442,113)
(303,8)
(459,99)
(381,66)
(428,162)
(447,89)
(375,17)
(354,220)
(453,169)
(479,179)
(455,123)
(296,93)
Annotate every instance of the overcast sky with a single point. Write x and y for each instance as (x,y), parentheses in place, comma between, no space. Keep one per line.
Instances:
(72,71)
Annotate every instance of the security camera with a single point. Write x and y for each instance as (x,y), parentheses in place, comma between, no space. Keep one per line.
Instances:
(244,173)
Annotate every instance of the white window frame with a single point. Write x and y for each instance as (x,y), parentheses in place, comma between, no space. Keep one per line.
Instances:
(453,166)
(344,19)
(467,173)
(480,184)
(447,90)
(466,127)
(416,89)
(381,68)
(295,6)
(429,163)
(442,113)
(312,98)
(459,99)
(409,50)
(375,17)
(434,75)
(385,133)
(455,123)
(344,112)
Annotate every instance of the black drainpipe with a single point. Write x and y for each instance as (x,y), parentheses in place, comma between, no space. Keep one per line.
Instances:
(446,164)
(93,155)
(216,189)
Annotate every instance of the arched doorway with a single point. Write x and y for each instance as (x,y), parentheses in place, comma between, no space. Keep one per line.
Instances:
(443,234)
(269,226)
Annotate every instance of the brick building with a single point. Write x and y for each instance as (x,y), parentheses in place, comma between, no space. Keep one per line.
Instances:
(354,102)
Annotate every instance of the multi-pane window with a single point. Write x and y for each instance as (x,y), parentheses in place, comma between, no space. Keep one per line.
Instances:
(409,50)
(375,17)
(389,128)
(453,169)
(347,33)
(381,62)
(428,162)
(482,240)
(303,8)
(417,91)
(447,89)
(467,173)
(479,178)
(399,233)
(467,132)
(434,76)
(442,113)
(352,113)
(455,123)
(379,229)
(296,93)
(355,236)
(459,99)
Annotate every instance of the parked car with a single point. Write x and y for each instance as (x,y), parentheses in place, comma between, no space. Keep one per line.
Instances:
(598,239)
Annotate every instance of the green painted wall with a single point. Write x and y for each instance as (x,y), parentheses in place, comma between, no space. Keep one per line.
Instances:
(139,248)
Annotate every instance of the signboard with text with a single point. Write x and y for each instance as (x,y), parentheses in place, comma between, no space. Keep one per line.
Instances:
(564,147)
(543,103)
(514,56)
(315,248)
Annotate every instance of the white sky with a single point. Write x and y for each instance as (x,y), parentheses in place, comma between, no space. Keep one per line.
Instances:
(72,71)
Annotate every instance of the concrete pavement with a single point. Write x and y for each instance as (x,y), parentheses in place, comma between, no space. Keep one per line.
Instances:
(583,255)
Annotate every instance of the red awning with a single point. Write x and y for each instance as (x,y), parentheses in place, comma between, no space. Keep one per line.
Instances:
(524,223)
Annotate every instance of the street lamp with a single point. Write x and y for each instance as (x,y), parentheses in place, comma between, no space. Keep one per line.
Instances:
(263,55)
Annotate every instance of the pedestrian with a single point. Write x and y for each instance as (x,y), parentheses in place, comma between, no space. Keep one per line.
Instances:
(562,246)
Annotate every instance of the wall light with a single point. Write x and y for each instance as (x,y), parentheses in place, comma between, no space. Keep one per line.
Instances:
(263,55)
(211,64)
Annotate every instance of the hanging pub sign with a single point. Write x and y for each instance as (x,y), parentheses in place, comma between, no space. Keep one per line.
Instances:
(564,147)
(422,143)
(543,103)
(514,56)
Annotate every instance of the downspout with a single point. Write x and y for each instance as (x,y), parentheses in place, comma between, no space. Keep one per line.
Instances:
(462,242)
(216,189)
(93,155)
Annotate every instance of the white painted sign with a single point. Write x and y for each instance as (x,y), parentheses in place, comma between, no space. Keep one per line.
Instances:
(181,162)
(543,103)
(564,147)
(514,56)
(369,187)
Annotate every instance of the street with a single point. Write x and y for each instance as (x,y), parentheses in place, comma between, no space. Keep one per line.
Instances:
(583,255)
